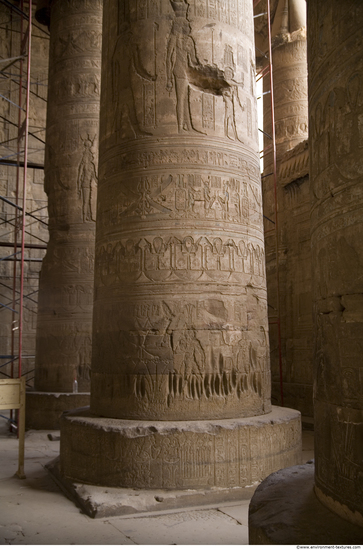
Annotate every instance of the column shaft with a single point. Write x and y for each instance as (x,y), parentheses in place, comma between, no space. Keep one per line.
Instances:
(336,156)
(63,350)
(180,326)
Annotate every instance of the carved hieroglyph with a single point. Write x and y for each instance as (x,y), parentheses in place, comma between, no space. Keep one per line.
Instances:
(64,330)
(336,168)
(180,316)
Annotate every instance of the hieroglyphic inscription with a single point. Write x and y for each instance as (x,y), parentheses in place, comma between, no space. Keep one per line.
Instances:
(200,156)
(163,259)
(208,111)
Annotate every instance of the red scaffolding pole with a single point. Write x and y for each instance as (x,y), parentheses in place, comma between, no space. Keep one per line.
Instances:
(24,130)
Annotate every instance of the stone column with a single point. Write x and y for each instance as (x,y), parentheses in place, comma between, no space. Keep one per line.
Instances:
(291,128)
(180,341)
(64,327)
(336,152)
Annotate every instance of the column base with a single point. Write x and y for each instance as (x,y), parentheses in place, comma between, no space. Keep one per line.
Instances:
(101,502)
(177,455)
(43,409)
(286,510)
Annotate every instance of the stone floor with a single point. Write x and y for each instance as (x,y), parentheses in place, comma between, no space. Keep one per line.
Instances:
(35,511)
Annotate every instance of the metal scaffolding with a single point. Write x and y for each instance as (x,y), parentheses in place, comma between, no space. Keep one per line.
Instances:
(19,151)
(267,70)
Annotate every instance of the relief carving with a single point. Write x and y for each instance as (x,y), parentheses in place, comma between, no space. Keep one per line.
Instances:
(181,55)
(76,42)
(231,102)
(126,65)
(161,259)
(87,180)
(333,156)
(189,196)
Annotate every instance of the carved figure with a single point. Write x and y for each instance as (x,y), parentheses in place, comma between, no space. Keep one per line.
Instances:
(126,62)
(231,101)
(181,54)
(54,174)
(86,176)
(194,356)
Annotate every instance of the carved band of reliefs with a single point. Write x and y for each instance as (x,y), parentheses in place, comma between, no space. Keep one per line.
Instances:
(85,8)
(235,161)
(157,259)
(75,42)
(69,259)
(78,87)
(195,386)
(229,12)
(70,299)
(192,364)
(186,196)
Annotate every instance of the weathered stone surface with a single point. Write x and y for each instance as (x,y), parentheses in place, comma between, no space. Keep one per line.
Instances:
(336,130)
(63,350)
(285,510)
(180,305)
(178,455)
(43,410)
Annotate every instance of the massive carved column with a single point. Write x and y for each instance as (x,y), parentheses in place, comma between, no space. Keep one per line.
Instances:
(336,134)
(180,322)
(291,128)
(64,329)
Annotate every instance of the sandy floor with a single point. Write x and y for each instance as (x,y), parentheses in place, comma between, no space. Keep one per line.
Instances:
(35,511)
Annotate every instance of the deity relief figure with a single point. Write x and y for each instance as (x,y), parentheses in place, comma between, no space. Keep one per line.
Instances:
(181,54)
(126,63)
(87,175)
